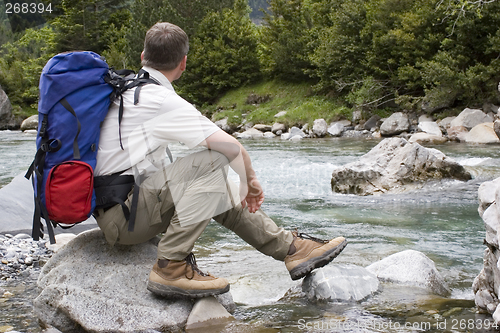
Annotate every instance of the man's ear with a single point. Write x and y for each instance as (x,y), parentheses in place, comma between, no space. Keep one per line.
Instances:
(142,55)
(183,63)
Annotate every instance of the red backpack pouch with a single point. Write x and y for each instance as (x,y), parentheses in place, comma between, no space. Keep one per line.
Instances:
(68,192)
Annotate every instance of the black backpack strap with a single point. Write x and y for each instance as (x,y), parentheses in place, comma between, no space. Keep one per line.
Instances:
(114,189)
(120,82)
(36,168)
(76,150)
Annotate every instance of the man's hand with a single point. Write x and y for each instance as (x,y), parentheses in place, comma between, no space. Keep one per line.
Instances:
(254,196)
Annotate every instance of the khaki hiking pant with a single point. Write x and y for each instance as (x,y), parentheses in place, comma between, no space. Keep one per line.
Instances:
(180,200)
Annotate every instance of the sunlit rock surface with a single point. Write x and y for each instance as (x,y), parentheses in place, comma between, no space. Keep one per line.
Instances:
(395,165)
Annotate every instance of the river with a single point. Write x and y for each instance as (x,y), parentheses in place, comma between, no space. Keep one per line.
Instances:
(440,220)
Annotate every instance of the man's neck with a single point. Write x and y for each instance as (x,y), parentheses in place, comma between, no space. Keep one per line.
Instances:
(171,75)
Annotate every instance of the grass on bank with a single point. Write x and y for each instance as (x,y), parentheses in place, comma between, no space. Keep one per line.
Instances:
(298,99)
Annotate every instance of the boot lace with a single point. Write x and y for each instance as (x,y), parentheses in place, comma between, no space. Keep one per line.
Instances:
(309,237)
(191,261)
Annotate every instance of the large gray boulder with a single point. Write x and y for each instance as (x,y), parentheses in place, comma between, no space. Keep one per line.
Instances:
(100,288)
(396,124)
(430,127)
(470,118)
(486,285)
(410,268)
(482,134)
(7,120)
(395,165)
(340,283)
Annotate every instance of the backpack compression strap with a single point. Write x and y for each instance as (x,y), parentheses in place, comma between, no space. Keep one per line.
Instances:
(76,150)
(36,167)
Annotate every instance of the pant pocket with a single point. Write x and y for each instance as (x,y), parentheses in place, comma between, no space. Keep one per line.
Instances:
(108,226)
(153,202)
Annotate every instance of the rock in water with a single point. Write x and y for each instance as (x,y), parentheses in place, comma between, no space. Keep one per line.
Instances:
(103,289)
(340,283)
(395,165)
(411,268)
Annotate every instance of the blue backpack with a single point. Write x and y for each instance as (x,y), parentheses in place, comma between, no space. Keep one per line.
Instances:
(76,89)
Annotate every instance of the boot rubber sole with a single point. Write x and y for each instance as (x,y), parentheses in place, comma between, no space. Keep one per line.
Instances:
(305,268)
(171,291)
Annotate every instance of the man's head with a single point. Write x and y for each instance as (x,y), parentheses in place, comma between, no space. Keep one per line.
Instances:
(165,46)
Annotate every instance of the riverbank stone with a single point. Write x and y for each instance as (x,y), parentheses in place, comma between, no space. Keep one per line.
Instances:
(263,127)
(394,166)
(30,123)
(424,138)
(372,123)
(457,133)
(7,119)
(470,118)
(396,124)
(341,282)
(320,128)
(336,129)
(411,268)
(445,123)
(100,288)
(430,127)
(482,134)
(251,133)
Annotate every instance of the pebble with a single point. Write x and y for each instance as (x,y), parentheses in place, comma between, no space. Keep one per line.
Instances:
(20,255)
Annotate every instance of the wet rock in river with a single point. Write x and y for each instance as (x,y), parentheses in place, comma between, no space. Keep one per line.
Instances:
(340,283)
(411,268)
(395,165)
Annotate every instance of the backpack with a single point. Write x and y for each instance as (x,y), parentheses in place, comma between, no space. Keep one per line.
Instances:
(76,89)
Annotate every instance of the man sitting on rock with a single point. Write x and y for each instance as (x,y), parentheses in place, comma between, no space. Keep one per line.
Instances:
(178,199)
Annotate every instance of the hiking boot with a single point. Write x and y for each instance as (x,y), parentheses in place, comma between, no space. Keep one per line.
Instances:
(307,253)
(183,278)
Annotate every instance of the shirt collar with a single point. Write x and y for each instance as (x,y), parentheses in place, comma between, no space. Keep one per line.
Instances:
(158,76)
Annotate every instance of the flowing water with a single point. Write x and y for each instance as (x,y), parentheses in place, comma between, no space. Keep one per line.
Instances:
(440,220)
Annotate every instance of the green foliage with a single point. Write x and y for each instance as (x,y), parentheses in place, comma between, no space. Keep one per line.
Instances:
(378,51)
(124,51)
(222,55)
(21,64)
(287,36)
(87,24)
